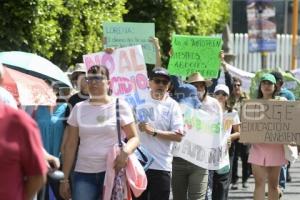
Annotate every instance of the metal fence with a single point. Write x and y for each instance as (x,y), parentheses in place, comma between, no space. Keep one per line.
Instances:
(251,62)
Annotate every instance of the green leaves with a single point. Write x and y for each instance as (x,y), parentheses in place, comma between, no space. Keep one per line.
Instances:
(60,30)
(64,30)
(190,17)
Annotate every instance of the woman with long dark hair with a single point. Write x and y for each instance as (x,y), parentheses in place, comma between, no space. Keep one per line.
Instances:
(266,159)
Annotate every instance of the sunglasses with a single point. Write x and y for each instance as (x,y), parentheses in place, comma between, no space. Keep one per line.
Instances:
(163,81)
(220,93)
(95,78)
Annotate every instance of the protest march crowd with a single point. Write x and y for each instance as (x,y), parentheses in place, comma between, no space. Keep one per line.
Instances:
(129,134)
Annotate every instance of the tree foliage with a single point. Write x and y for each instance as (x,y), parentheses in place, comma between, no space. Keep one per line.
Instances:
(60,30)
(190,17)
(64,30)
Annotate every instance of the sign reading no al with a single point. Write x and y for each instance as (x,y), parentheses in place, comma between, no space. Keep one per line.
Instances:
(270,122)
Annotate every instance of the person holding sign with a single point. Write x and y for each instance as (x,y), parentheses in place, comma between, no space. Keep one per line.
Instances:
(266,159)
(231,130)
(160,123)
(94,121)
(192,183)
(209,104)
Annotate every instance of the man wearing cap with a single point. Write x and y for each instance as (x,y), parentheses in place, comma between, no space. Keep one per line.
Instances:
(160,123)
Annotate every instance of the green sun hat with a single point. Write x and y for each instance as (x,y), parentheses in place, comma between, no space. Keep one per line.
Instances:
(268,77)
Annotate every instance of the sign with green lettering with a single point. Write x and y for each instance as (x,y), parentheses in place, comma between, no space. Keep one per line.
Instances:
(195,54)
(130,34)
(266,121)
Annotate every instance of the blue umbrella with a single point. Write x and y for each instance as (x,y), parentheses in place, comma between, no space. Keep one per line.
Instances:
(34,65)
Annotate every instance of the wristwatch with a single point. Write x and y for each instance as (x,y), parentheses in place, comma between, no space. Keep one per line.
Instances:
(154,133)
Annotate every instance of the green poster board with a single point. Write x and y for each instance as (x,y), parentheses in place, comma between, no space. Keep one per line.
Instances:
(195,54)
(131,34)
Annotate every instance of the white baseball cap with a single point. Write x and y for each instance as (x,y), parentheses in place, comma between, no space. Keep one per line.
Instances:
(223,88)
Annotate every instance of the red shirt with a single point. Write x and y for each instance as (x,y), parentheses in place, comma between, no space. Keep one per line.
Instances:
(21,153)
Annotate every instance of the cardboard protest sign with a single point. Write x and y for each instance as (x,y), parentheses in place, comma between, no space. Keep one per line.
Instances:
(128,74)
(195,54)
(270,122)
(129,34)
(204,144)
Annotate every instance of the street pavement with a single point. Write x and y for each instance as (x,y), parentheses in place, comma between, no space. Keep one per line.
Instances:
(292,191)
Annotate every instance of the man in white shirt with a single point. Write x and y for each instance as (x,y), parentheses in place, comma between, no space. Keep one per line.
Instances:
(160,123)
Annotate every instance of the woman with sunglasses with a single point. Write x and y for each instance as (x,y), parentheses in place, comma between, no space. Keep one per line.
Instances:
(266,159)
(231,130)
(94,122)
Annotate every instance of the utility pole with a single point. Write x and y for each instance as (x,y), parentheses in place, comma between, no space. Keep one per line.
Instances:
(294,34)
(286,4)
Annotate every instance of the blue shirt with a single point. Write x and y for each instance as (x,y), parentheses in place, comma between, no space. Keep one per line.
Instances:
(287,94)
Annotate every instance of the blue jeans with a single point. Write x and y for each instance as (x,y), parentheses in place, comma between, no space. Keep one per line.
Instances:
(282,177)
(87,185)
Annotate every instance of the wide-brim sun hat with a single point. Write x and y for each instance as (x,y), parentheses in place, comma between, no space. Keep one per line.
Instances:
(197,77)
(79,69)
(222,87)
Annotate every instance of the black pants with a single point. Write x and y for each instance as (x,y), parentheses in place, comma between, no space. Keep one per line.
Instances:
(242,151)
(220,187)
(159,183)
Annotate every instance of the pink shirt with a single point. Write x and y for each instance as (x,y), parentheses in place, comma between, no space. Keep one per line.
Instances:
(97,132)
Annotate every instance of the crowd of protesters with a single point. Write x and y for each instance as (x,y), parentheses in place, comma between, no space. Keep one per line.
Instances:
(81,130)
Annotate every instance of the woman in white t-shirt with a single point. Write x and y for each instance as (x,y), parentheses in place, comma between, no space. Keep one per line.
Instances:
(93,121)
(231,130)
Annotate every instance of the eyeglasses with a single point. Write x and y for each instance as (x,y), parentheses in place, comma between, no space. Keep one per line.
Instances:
(220,93)
(95,78)
(236,85)
(163,81)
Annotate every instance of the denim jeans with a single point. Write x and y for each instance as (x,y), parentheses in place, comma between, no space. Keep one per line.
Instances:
(188,180)
(282,177)
(87,185)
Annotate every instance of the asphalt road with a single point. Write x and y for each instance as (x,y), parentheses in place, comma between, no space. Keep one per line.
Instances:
(292,191)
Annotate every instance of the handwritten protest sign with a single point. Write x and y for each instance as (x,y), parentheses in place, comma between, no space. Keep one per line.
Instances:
(270,122)
(130,34)
(128,74)
(195,54)
(204,144)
